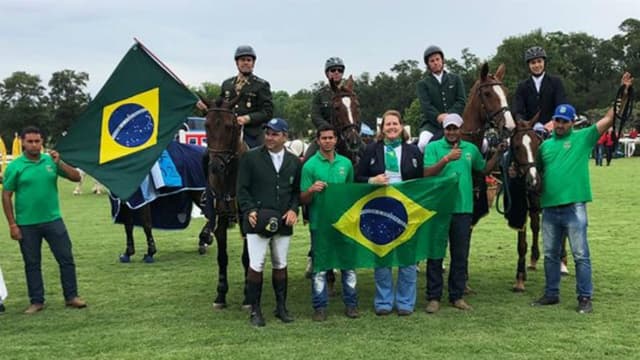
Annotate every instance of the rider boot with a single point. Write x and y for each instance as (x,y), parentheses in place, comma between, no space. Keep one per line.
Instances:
(254,294)
(279,279)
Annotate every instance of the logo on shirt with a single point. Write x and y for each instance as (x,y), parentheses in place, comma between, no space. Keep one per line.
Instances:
(342,171)
(50,168)
(567,145)
(467,156)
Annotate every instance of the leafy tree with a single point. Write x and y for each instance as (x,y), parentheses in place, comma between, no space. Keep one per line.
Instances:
(67,100)
(23,102)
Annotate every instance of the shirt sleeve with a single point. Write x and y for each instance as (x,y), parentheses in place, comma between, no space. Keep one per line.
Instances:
(430,156)
(10,180)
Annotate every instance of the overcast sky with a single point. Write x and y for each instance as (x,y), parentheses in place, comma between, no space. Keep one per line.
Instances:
(196,39)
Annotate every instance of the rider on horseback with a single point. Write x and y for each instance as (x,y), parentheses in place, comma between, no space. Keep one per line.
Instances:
(439,93)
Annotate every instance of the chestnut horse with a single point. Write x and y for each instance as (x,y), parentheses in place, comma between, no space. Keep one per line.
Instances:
(346,120)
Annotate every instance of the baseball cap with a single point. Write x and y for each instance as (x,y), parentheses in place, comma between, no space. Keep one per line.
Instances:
(565,112)
(277,125)
(452,119)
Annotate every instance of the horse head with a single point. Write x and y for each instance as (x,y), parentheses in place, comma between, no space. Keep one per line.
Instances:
(225,145)
(487,112)
(524,144)
(346,116)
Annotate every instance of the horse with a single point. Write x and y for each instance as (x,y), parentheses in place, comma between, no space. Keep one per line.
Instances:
(164,207)
(486,116)
(224,146)
(523,186)
(346,120)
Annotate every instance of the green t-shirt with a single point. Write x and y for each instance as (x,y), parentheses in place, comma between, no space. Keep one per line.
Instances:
(564,163)
(35,184)
(470,159)
(318,168)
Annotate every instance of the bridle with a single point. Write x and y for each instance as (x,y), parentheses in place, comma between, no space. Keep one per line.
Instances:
(346,128)
(490,130)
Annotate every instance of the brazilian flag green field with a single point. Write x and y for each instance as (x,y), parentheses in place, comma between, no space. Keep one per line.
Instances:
(367,226)
(129,123)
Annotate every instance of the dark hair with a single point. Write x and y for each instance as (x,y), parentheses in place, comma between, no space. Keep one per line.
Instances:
(30,130)
(326,127)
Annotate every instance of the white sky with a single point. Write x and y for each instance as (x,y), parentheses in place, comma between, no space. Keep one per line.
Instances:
(292,38)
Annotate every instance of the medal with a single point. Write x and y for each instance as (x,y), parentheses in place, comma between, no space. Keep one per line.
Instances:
(248,104)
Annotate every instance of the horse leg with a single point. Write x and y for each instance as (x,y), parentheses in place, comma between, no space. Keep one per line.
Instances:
(220,233)
(563,256)
(521,272)
(146,225)
(127,214)
(534,217)
(204,239)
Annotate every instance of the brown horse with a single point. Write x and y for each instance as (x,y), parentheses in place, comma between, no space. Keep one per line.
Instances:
(486,115)
(225,146)
(346,120)
(522,195)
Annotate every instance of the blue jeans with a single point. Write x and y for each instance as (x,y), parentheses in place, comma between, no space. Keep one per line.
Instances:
(599,151)
(55,233)
(571,220)
(319,296)
(405,292)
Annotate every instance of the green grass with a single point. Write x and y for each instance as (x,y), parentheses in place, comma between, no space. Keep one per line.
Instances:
(163,310)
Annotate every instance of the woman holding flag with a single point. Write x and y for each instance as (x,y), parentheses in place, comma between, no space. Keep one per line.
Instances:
(389,160)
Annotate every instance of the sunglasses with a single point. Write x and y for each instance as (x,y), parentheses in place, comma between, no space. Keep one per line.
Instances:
(338,70)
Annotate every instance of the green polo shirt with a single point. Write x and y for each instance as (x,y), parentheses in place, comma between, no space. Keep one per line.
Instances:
(319,168)
(564,162)
(470,159)
(35,186)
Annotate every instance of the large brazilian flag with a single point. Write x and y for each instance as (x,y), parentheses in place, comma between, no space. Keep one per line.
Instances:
(129,123)
(368,226)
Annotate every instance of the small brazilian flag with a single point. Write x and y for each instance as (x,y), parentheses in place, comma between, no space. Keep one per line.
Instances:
(368,226)
(129,123)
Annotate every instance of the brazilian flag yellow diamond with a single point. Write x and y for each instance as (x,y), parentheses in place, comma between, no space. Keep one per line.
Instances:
(129,125)
(383,220)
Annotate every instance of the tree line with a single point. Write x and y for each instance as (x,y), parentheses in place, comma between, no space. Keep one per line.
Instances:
(590,68)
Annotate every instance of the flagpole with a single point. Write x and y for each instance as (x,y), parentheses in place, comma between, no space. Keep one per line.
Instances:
(164,66)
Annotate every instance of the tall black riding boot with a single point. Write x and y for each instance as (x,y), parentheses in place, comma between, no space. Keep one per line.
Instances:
(254,293)
(279,279)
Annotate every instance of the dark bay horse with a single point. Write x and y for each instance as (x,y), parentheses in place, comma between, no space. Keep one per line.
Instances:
(224,146)
(346,120)
(523,186)
(161,205)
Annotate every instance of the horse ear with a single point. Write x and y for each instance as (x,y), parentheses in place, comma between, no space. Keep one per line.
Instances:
(349,84)
(500,72)
(484,71)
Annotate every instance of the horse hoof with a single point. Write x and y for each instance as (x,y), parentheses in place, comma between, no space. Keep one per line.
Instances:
(517,289)
(532,268)
(202,249)
(148,259)
(124,258)
(219,306)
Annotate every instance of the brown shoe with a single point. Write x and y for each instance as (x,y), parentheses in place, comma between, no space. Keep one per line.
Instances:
(432,307)
(351,312)
(34,308)
(319,314)
(76,302)
(461,304)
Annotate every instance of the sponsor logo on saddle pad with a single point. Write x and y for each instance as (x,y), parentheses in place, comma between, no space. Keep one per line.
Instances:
(129,125)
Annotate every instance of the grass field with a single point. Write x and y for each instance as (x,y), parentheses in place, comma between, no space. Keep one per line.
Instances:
(163,310)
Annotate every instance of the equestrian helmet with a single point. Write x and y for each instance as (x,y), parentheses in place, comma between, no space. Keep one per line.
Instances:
(333,62)
(433,49)
(534,53)
(245,50)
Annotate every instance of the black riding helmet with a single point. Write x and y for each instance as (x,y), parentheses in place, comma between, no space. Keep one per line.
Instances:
(534,52)
(333,62)
(244,50)
(433,49)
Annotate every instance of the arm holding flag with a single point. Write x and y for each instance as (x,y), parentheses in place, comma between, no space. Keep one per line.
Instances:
(69,172)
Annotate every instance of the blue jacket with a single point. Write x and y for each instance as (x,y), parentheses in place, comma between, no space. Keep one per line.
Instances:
(372,162)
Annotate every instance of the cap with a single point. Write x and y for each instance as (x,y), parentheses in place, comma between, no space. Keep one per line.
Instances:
(565,112)
(277,125)
(452,119)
